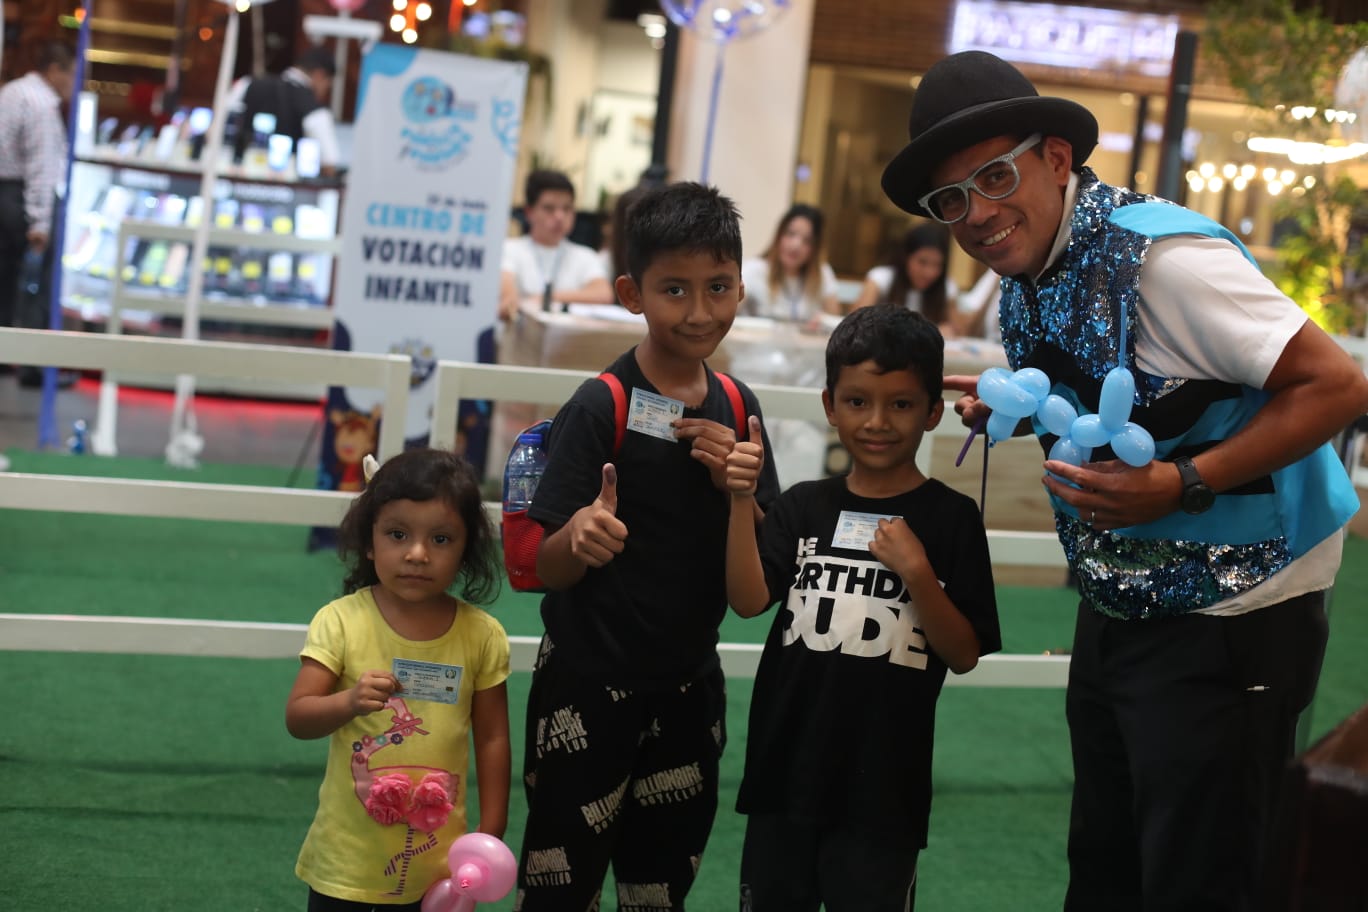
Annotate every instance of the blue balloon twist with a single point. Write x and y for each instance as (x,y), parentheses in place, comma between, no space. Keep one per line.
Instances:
(1014,396)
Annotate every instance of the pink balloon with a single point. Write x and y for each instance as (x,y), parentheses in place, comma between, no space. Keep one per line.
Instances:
(469,876)
(482,867)
(441,897)
(346,6)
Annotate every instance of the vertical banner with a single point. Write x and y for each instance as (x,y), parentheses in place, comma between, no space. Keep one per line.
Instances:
(424,217)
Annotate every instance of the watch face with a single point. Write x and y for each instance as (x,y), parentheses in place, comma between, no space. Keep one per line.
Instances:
(1198,498)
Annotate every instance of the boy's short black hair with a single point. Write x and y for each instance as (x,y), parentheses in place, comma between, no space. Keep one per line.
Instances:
(684,216)
(542,180)
(317,57)
(894,338)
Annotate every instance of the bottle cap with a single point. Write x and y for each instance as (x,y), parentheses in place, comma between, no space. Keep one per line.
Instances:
(530,438)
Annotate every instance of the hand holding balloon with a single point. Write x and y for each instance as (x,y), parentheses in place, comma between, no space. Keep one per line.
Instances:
(1113,495)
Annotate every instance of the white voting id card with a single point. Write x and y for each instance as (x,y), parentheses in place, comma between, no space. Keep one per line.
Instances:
(428,680)
(856,530)
(651,413)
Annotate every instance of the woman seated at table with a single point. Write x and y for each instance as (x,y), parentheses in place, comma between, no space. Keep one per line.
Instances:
(914,277)
(792,281)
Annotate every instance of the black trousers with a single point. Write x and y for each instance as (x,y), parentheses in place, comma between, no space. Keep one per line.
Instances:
(1181,730)
(626,778)
(794,865)
(19,307)
(13,246)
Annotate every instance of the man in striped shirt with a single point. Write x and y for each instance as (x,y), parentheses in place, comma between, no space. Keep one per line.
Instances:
(33,152)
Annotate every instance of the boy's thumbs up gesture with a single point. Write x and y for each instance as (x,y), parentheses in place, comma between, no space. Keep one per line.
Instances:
(746,460)
(596,534)
(607,498)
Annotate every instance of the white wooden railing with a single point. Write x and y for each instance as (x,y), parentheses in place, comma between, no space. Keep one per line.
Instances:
(454,381)
(390,373)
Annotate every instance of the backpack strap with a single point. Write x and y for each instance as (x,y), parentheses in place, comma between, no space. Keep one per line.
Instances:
(737,404)
(614,385)
(619,408)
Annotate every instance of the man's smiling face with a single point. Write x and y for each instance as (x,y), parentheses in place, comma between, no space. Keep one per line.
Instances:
(1011,236)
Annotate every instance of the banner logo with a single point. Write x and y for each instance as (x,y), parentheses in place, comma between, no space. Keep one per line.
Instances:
(434,138)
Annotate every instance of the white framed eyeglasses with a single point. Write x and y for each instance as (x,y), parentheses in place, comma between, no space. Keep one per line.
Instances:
(994,180)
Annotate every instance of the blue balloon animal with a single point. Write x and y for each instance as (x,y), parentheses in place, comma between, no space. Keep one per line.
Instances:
(1014,396)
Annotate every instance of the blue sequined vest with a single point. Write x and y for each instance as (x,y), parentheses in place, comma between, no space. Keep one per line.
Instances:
(1067,325)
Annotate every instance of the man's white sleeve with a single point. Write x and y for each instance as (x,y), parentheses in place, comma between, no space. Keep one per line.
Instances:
(1208,313)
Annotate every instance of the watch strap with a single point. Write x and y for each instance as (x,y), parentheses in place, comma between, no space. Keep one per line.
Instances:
(1187,471)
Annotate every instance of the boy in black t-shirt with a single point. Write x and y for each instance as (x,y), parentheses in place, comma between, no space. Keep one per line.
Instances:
(885,581)
(625,717)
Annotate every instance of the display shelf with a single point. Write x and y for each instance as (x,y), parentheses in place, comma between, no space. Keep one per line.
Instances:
(246,171)
(130,293)
(270,259)
(268,268)
(126,299)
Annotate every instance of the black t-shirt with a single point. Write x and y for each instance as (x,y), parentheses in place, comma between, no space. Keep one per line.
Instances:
(650,616)
(843,713)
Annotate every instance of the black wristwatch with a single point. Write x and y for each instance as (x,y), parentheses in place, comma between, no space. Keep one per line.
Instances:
(1197,494)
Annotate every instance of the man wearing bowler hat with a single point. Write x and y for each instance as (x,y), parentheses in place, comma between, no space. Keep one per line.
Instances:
(1202,574)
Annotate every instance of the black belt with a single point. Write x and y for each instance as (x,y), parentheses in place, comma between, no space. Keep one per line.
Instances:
(11,182)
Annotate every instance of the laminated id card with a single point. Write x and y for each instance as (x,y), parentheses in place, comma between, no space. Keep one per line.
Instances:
(651,413)
(428,680)
(856,530)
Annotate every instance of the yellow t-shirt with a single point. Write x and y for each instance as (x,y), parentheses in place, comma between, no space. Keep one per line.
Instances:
(347,853)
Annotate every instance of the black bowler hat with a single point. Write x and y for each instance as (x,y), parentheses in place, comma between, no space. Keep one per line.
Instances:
(968,98)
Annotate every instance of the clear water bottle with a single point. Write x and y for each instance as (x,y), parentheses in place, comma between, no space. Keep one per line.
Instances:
(523,472)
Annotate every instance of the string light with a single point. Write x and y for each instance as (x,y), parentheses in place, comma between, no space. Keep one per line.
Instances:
(406,17)
(1207,177)
(1331,115)
(1305,153)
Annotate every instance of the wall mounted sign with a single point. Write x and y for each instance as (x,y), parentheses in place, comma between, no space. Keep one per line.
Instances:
(1077,37)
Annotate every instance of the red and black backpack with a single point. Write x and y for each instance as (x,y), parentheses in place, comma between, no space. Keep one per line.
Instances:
(522,536)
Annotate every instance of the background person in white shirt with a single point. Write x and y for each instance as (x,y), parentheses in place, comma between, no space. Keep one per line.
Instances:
(33,153)
(914,277)
(543,263)
(792,280)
